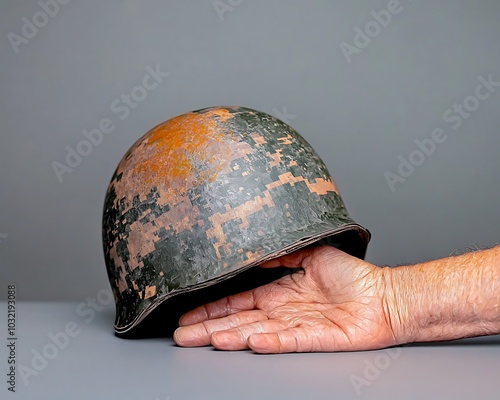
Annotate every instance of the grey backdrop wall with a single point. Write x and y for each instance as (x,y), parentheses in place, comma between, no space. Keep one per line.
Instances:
(374,86)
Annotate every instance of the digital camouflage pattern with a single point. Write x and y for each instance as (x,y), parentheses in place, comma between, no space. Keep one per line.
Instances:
(205,195)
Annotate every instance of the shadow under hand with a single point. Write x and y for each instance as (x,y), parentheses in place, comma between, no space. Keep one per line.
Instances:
(477,341)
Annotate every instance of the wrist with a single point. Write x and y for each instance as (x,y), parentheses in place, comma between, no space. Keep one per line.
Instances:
(395,304)
(412,301)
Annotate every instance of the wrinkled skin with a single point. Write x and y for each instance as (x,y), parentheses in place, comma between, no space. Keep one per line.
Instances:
(336,302)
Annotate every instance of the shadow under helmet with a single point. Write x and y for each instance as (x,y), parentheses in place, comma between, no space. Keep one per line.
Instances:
(205,196)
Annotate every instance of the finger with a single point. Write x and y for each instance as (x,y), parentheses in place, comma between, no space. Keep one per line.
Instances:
(220,308)
(237,338)
(285,341)
(292,260)
(199,334)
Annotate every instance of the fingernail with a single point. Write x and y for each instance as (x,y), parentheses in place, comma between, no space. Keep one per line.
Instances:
(178,336)
(192,336)
(183,335)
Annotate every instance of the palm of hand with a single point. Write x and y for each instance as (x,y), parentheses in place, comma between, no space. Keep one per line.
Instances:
(335,303)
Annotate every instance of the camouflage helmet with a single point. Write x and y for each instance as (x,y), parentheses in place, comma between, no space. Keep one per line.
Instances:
(208,194)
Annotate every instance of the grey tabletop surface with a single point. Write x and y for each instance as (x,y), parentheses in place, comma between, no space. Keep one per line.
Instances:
(67,351)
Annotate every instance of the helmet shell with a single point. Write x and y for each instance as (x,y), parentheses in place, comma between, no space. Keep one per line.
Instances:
(208,194)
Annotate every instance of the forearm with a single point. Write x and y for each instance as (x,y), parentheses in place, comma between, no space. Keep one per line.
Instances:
(446,299)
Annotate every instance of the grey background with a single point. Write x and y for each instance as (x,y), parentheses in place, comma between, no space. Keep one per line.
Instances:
(268,55)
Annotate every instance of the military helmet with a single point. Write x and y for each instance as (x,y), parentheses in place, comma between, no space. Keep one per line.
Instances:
(209,194)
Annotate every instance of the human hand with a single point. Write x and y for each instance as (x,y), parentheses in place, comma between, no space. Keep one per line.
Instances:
(335,303)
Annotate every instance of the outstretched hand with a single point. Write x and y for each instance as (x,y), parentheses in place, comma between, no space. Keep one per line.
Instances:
(336,302)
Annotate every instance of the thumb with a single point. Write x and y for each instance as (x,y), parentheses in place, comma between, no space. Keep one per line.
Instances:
(292,260)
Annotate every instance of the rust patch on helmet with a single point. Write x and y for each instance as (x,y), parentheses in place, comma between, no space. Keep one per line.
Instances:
(185,151)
